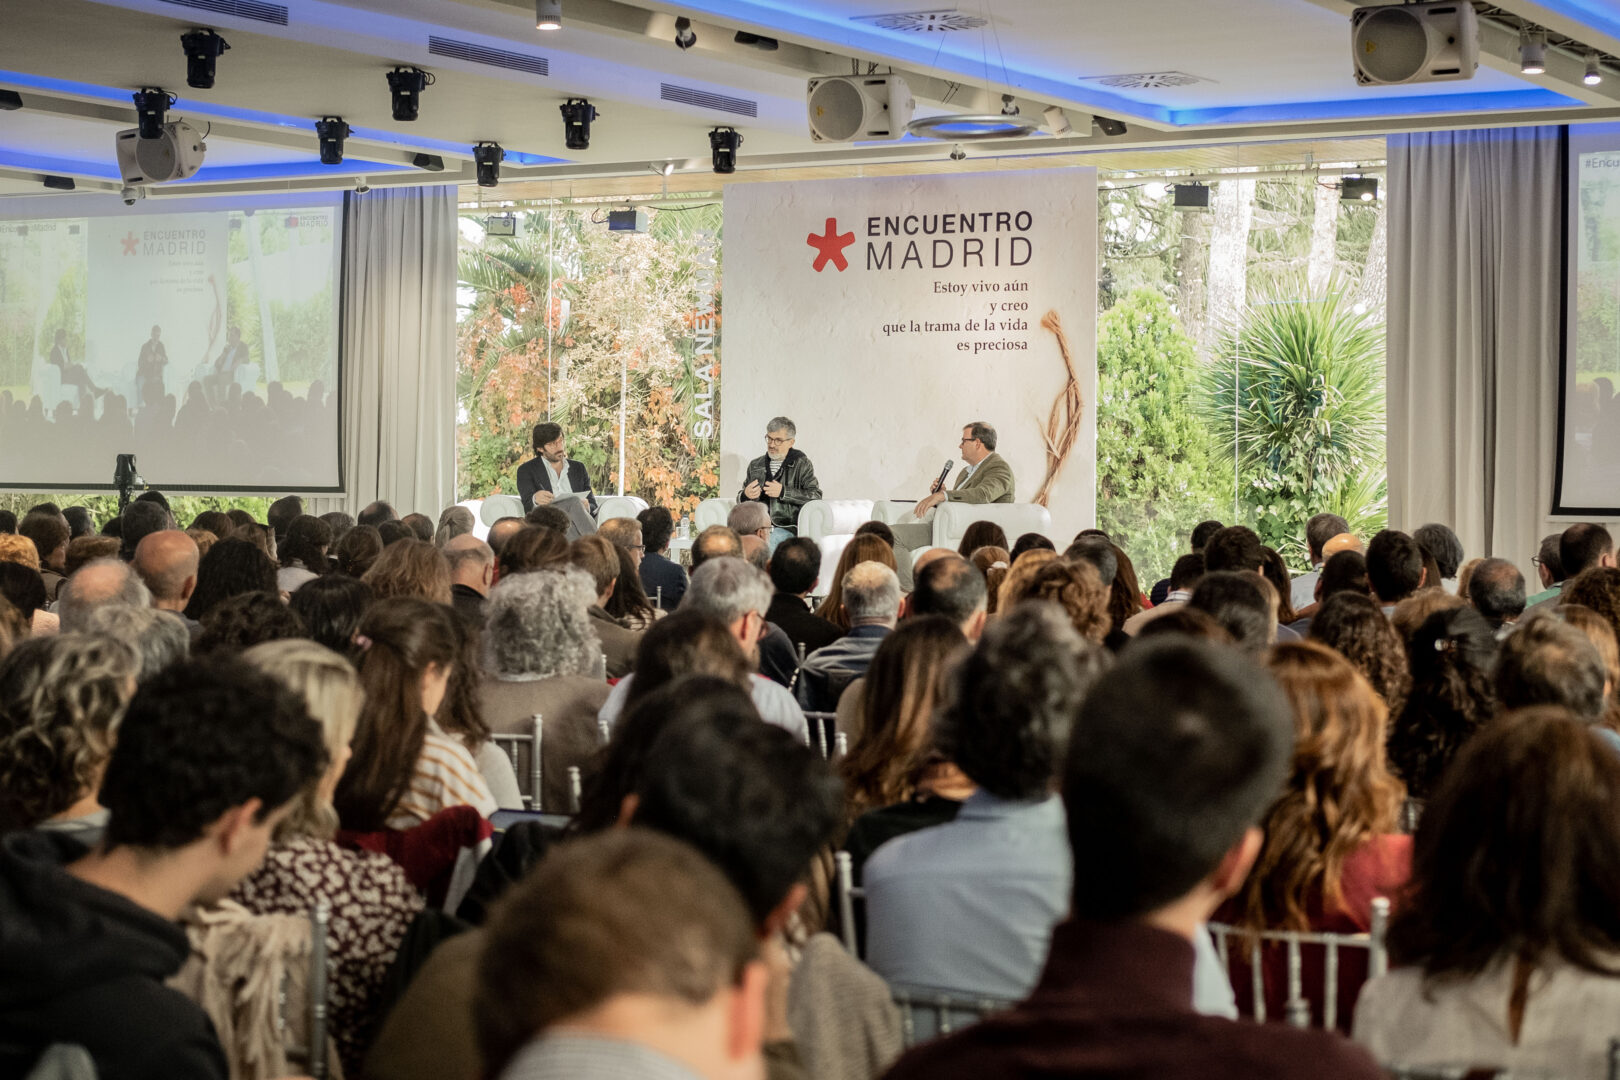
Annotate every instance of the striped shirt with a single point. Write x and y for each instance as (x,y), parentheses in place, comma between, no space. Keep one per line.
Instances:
(446,775)
(577,1056)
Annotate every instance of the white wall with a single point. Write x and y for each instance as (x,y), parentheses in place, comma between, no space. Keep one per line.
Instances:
(880,409)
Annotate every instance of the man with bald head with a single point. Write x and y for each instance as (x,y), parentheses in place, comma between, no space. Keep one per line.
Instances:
(472,573)
(756,551)
(97,583)
(872,603)
(167,563)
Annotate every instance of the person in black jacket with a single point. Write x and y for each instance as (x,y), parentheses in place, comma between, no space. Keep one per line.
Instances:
(661,576)
(551,472)
(795,566)
(209,759)
(782,478)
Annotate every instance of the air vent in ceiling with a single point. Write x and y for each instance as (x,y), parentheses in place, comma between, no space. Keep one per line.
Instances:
(924,22)
(483,54)
(1146,80)
(242,9)
(703,99)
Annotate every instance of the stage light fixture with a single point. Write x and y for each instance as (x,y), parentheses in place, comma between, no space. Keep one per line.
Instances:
(685,36)
(406,85)
(662,168)
(1594,70)
(1532,52)
(958,153)
(151,108)
(428,162)
(577,114)
(1009,106)
(10,100)
(1109,126)
(723,143)
(488,157)
(1358,188)
(331,131)
(59,183)
(763,44)
(202,48)
(1058,121)
(548,14)
(1194,196)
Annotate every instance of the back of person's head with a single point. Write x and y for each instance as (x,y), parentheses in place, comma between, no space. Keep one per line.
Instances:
(467,555)
(1179,750)
(1583,546)
(331,608)
(1201,534)
(8,522)
(536,626)
(1030,541)
(795,565)
(1517,857)
(1275,571)
(981,534)
(140,519)
(240,519)
(714,542)
(24,588)
(104,581)
(154,496)
(621,532)
(392,532)
(1189,622)
(83,550)
(1320,529)
(215,521)
(1242,603)
(282,513)
(421,526)
(748,517)
(1547,556)
(871,594)
(1440,542)
(878,529)
(167,563)
(687,642)
(1344,571)
(159,638)
(1074,588)
(1598,588)
(80,523)
(1351,624)
(49,534)
(377,513)
(533,547)
(19,550)
(338,521)
(1548,662)
(753,799)
(1013,699)
(198,741)
(359,548)
(864,547)
(61,698)
(1187,571)
(1412,612)
(410,568)
(727,588)
(1451,695)
(949,586)
(1233,547)
(598,559)
(401,637)
(503,530)
(1496,590)
(230,568)
(1097,551)
(1394,566)
(550,517)
(657,526)
(246,619)
(455,521)
(306,542)
(625,913)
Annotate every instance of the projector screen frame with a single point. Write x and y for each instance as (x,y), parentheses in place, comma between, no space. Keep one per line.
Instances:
(47,207)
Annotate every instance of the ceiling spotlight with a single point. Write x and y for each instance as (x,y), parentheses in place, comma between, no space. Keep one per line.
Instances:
(59,183)
(548,14)
(1109,126)
(202,48)
(331,131)
(662,168)
(1009,107)
(763,44)
(723,141)
(958,153)
(428,162)
(488,157)
(1358,188)
(151,107)
(577,114)
(1194,196)
(1058,121)
(1594,71)
(685,36)
(1532,52)
(10,100)
(406,85)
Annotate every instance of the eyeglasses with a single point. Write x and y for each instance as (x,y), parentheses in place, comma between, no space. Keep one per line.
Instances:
(1535,560)
(638,547)
(773,441)
(964,442)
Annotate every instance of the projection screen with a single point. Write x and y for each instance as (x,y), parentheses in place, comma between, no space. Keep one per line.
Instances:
(1588,475)
(199,335)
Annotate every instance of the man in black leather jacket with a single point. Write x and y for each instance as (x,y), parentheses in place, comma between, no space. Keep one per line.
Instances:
(782,478)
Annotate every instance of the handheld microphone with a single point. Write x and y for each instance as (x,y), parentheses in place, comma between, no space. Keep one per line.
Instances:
(943,473)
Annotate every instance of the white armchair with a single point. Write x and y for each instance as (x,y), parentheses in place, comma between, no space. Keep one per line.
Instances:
(496,507)
(833,517)
(711,512)
(891,512)
(832,549)
(951,521)
(609,507)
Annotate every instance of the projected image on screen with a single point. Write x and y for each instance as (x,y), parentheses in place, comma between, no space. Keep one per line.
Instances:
(1591,429)
(203,342)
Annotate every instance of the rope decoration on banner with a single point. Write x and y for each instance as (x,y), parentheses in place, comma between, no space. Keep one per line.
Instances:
(1068,411)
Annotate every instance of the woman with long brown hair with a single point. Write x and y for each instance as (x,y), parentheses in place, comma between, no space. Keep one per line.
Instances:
(863,547)
(410,568)
(1124,592)
(1352,625)
(1074,587)
(1275,570)
(1331,841)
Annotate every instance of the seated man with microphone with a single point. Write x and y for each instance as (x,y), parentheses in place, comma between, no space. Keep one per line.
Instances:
(986,478)
(783,479)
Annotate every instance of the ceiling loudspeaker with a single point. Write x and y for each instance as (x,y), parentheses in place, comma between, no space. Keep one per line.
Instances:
(174,155)
(859,108)
(1408,43)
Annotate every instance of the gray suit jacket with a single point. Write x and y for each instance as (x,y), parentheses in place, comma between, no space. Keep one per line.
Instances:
(991,482)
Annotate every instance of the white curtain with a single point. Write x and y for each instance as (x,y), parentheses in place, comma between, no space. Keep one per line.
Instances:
(399,350)
(1475,256)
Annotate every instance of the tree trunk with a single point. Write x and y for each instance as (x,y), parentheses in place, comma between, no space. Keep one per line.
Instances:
(1233,211)
(1324,239)
(1374,285)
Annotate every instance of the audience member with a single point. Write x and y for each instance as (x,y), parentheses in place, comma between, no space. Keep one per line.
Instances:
(1188,622)
(247,619)
(340,524)
(456,521)
(358,549)
(159,638)
(503,530)
(1584,546)
(405,768)
(24,589)
(208,760)
(1504,946)
(1124,598)
(1465,574)
(12,627)
(629,603)
(421,526)
(1496,589)
(1184,575)
(533,547)
(1394,568)
(1431,571)
(599,559)
(750,519)
(1603,639)
(1441,544)
(795,568)
(377,513)
(1030,541)
(1072,585)
(370,900)
(871,603)
(1318,531)
(19,550)
(661,577)
(282,513)
(1234,548)
(1199,538)
(688,644)
(864,547)
(1351,624)
(1412,612)
(49,534)
(8,523)
(1597,588)
(1176,754)
(332,607)
(1098,552)
(214,521)
(167,563)
(139,520)
(981,534)
(239,518)
(461,716)
(303,549)
(1020,577)
(550,517)
(230,568)
(903,562)
(1243,603)
(104,581)
(1546,661)
(410,567)
(79,521)
(472,575)
(985,559)
(392,532)
(1549,570)
(1451,697)
(952,587)
(1275,571)
(87,549)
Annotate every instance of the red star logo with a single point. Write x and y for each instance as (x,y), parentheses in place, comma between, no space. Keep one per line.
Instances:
(830,247)
(130,243)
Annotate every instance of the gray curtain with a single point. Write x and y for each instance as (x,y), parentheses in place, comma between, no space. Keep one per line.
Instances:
(1475,256)
(399,350)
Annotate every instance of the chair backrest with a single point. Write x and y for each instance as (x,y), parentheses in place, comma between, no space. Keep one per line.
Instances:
(609,507)
(951,521)
(711,512)
(832,549)
(1411,813)
(496,507)
(320,921)
(1296,1007)
(847,894)
(833,517)
(516,748)
(823,725)
(941,1013)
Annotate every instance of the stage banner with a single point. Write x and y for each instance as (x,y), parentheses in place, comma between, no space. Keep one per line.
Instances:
(882,315)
